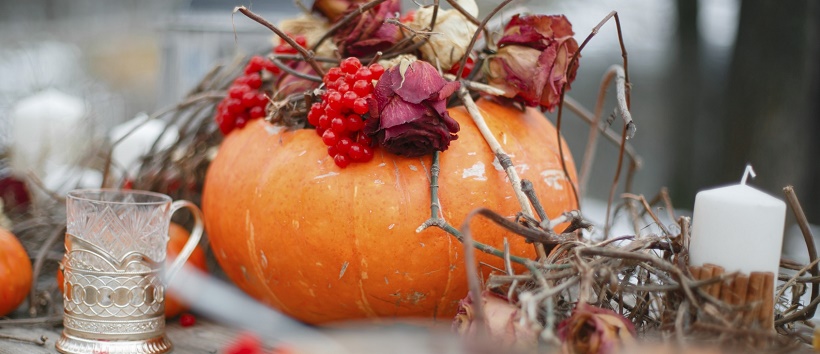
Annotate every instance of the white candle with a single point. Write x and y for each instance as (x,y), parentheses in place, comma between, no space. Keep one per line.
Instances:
(738,228)
(48,128)
(142,133)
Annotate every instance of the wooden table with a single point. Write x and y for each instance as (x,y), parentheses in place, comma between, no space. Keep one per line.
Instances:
(203,337)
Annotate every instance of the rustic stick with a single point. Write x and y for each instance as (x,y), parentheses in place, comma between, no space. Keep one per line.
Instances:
(802,221)
(754,298)
(503,159)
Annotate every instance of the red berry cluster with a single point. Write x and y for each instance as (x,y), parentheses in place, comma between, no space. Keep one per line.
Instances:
(245,100)
(338,118)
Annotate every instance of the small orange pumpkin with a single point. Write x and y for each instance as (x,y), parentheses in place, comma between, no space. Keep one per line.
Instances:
(324,244)
(178,236)
(15,272)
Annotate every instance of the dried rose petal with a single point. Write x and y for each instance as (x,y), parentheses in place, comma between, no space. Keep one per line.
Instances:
(368,33)
(408,111)
(531,64)
(592,329)
(290,84)
(503,321)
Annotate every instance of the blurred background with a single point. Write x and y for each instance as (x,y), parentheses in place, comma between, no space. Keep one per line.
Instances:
(716,84)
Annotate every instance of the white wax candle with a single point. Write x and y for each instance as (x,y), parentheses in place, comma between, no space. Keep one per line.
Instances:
(738,228)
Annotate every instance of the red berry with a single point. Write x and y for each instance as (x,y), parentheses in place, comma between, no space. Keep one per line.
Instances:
(349,98)
(362,87)
(234,105)
(350,65)
(364,74)
(314,114)
(270,66)
(364,139)
(261,99)
(341,160)
(468,67)
(255,64)
(254,81)
(334,100)
(337,125)
(329,137)
(236,91)
(241,80)
(368,153)
(344,144)
(320,131)
(333,74)
(301,40)
(360,106)
(323,122)
(354,123)
(356,152)
(225,123)
(242,119)
(187,320)
(350,79)
(332,151)
(376,71)
(256,112)
(245,343)
(343,88)
(249,99)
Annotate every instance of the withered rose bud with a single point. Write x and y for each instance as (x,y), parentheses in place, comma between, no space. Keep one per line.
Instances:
(531,65)
(503,321)
(592,329)
(408,111)
(335,9)
(452,35)
(368,33)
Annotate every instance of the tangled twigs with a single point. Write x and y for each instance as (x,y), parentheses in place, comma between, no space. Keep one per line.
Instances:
(481,27)
(38,266)
(307,54)
(807,311)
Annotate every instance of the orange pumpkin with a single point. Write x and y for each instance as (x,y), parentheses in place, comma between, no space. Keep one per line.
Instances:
(178,236)
(15,272)
(324,244)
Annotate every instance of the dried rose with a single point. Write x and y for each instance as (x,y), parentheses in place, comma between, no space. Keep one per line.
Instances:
(531,65)
(335,9)
(408,111)
(452,33)
(503,321)
(592,329)
(290,84)
(368,33)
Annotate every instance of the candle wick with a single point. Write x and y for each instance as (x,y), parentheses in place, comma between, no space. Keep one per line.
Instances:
(749,171)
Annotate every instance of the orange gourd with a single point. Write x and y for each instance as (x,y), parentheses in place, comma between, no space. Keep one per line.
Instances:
(15,272)
(325,244)
(178,236)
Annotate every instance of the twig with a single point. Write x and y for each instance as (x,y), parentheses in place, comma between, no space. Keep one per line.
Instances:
(481,27)
(32,321)
(38,267)
(592,140)
(607,225)
(38,341)
(345,20)
(307,54)
(286,68)
(502,157)
(464,12)
(473,281)
(802,221)
(613,137)
(648,209)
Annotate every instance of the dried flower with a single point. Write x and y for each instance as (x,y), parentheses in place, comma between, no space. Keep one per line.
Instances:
(452,33)
(408,113)
(335,9)
(532,62)
(503,322)
(368,33)
(592,329)
(290,84)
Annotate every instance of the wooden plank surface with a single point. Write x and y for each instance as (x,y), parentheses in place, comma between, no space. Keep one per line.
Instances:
(203,337)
